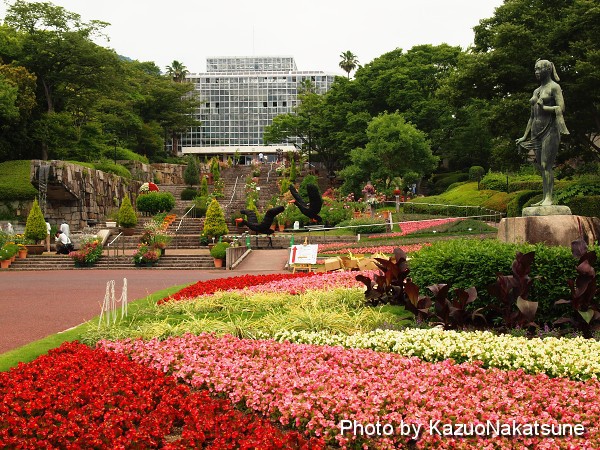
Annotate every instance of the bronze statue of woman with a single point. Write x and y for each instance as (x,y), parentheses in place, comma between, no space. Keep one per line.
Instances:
(546,125)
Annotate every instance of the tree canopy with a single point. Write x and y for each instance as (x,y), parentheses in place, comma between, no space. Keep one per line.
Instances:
(65,97)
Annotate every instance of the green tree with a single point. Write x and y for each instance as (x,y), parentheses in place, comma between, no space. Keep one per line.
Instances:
(126,215)
(191,173)
(499,68)
(395,148)
(35,227)
(177,71)
(214,224)
(349,62)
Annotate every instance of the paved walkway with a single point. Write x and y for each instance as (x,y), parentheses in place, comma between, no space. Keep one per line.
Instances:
(35,304)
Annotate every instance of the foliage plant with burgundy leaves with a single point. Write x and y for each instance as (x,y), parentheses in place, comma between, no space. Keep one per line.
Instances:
(584,292)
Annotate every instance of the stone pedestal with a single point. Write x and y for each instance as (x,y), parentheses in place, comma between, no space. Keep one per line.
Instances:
(552,210)
(551,230)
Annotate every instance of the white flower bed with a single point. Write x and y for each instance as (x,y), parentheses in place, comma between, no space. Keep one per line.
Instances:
(574,358)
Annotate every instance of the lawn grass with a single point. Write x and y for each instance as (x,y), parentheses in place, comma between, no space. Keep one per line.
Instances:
(31,351)
(14,181)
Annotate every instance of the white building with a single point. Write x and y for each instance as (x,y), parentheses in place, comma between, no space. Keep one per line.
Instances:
(240,96)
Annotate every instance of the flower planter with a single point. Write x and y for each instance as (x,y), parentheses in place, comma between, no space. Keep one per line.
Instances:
(128,231)
(35,249)
(218,262)
(22,254)
(110,224)
(5,264)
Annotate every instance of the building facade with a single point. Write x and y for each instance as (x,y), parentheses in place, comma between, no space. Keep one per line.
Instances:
(239,97)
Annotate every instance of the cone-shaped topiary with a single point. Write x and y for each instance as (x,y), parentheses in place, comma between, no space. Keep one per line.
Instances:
(127,217)
(35,228)
(214,224)
(204,187)
(191,174)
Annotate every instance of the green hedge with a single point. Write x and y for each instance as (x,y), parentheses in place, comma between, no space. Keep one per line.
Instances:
(585,206)
(468,262)
(442,182)
(155,202)
(189,193)
(516,204)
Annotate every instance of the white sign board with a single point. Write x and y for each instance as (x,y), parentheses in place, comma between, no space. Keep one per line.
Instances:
(303,254)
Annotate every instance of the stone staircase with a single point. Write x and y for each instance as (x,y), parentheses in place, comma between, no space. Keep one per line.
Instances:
(63,262)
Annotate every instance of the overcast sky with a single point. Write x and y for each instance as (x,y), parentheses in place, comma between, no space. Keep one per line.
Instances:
(314,32)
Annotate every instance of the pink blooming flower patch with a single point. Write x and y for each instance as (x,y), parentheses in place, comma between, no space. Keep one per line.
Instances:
(332,392)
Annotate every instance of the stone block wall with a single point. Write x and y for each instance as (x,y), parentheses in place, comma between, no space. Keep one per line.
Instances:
(79,194)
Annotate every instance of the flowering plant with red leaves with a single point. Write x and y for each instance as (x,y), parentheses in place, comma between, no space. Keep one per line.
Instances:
(231,283)
(76,397)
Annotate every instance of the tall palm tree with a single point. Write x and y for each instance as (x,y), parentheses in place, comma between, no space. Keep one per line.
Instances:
(349,62)
(177,71)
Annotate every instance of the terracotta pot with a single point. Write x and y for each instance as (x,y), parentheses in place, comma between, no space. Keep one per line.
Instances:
(5,264)
(281,227)
(22,254)
(218,262)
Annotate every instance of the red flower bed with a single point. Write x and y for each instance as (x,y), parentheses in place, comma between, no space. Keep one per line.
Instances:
(76,397)
(227,284)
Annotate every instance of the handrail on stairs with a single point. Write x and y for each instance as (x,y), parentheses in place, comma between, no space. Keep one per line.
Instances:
(116,249)
(181,222)
(269,172)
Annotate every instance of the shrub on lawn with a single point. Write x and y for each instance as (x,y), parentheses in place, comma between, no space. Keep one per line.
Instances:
(467,262)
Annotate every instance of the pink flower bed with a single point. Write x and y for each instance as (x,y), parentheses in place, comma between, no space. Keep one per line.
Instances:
(325,281)
(417,225)
(368,250)
(318,388)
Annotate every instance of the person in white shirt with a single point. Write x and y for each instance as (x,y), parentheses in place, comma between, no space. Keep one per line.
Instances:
(63,243)
(48,228)
(64,227)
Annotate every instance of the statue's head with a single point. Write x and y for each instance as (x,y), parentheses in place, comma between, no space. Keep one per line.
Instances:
(544,66)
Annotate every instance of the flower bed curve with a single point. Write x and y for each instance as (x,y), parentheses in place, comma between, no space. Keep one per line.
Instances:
(315,388)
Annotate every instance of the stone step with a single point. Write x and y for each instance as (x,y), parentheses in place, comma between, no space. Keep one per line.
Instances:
(63,262)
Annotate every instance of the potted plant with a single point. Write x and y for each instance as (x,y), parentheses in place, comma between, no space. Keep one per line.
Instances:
(4,258)
(218,253)
(146,255)
(22,251)
(127,217)
(35,229)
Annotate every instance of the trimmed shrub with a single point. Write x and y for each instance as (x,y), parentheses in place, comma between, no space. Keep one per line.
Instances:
(214,224)
(204,187)
(35,228)
(156,202)
(189,194)
(585,206)
(495,181)
(308,179)
(517,202)
(441,182)
(468,262)
(127,217)
(476,173)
